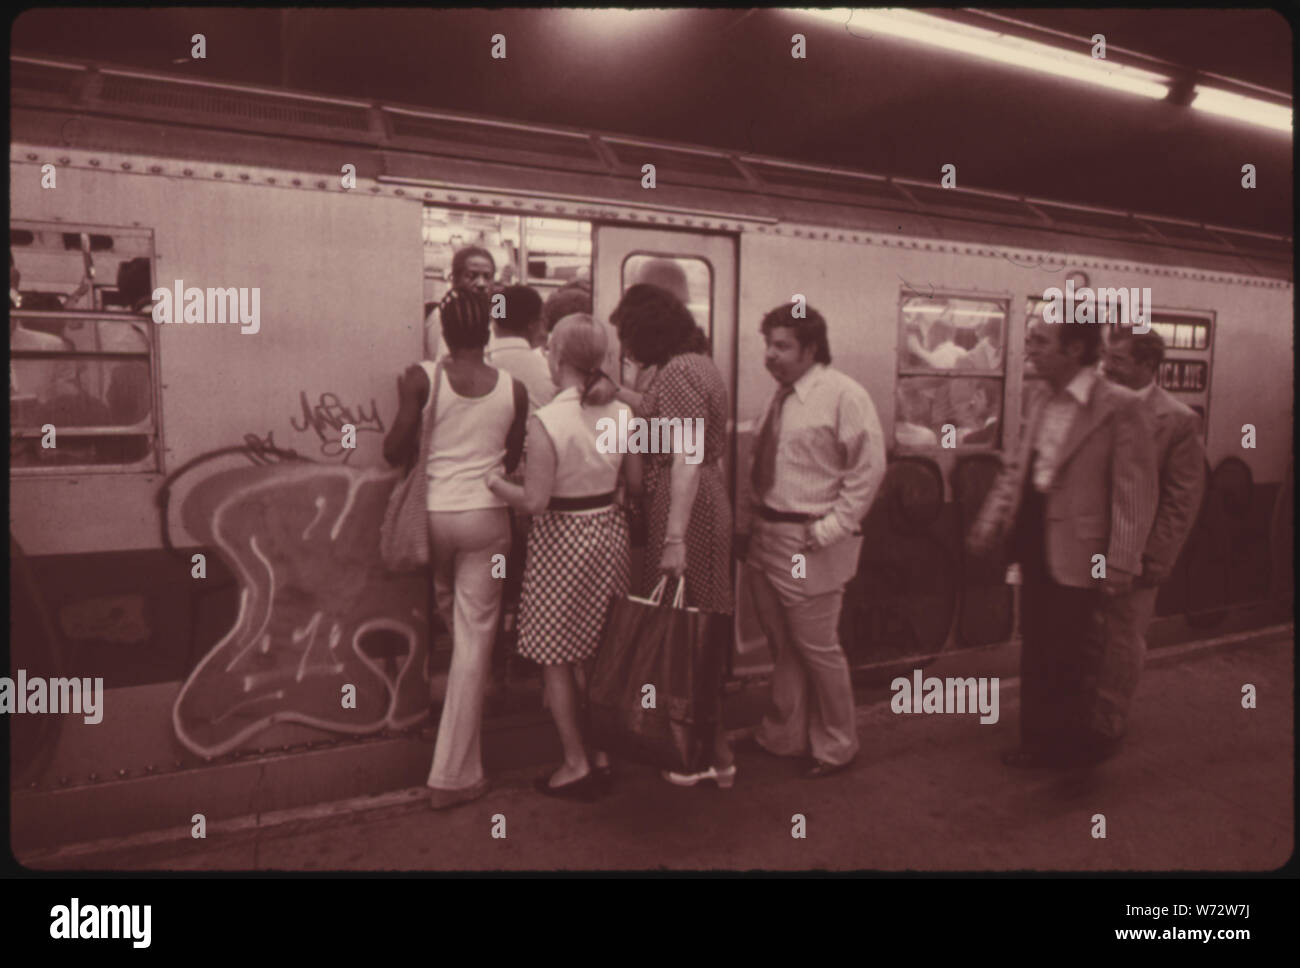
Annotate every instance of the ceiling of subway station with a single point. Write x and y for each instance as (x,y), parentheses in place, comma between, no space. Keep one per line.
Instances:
(725,78)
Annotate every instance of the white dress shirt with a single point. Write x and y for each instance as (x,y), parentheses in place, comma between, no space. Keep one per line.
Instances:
(830,455)
(1059,413)
(514,355)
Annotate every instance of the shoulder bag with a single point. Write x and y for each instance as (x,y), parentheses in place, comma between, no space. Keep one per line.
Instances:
(404,532)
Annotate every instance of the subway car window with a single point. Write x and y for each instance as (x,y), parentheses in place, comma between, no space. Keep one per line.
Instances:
(1187,368)
(951,372)
(1182,332)
(688,277)
(81,344)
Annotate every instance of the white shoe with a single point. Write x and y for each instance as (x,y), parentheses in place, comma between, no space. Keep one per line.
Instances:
(725,779)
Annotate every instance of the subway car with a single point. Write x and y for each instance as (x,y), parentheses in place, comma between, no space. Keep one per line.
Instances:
(203,532)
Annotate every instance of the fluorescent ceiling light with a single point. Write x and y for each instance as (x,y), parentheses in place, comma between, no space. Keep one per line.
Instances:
(994,46)
(1249,109)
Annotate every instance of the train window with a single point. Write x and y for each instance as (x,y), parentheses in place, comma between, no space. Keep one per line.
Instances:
(950,371)
(1182,333)
(82,348)
(688,277)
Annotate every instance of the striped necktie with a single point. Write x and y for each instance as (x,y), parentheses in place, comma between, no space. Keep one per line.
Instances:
(764,470)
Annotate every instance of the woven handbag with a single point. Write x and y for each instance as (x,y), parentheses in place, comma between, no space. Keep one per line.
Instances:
(404,532)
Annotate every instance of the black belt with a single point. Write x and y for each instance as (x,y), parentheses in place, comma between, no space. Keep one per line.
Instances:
(785,517)
(588,503)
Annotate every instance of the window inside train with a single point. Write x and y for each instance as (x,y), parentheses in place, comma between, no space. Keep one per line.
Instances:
(545,253)
(951,371)
(689,278)
(82,348)
(557,252)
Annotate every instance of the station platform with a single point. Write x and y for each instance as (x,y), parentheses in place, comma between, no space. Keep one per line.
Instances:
(1201,784)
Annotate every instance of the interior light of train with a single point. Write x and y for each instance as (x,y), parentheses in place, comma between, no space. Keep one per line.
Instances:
(1000,47)
(1253,110)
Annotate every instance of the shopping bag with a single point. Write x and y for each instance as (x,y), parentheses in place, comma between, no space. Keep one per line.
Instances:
(404,530)
(648,642)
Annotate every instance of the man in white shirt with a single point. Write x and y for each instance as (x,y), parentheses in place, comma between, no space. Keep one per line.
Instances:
(1076,500)
(33,383)
(819,460)
(510,350)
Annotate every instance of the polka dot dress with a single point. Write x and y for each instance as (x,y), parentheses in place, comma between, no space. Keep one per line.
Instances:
(577,564)
(690,386)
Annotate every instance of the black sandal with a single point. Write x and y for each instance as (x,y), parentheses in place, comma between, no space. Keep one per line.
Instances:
(585,788)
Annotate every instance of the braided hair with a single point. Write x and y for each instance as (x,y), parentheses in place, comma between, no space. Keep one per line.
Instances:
(464,319)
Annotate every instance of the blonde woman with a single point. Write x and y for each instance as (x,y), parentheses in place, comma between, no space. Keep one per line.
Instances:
(577,560)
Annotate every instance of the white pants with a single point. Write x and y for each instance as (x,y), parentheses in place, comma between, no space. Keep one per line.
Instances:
(469,600)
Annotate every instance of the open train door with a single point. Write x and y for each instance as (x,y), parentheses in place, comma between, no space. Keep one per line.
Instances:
(623,256)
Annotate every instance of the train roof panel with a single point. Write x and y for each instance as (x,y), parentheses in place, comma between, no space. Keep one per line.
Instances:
(455,136)
(806,181)
(675,165)
(191,102)
(231,122)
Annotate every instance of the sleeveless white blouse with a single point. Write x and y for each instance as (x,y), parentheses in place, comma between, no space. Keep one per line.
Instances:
(581,469)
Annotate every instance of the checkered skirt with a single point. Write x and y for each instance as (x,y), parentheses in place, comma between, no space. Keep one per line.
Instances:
(577,563)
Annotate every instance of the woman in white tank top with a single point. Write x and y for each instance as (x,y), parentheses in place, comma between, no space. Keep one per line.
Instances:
(577,559)
(478,426)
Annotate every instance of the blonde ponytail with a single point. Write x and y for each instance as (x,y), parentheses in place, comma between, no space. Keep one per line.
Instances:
(579,342)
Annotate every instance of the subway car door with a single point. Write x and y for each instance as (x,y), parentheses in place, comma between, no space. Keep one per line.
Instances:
(705,264)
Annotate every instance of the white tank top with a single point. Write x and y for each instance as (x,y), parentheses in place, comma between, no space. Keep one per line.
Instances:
(581,469)
(469,440)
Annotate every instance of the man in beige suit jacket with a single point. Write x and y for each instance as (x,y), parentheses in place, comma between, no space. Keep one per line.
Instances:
(1133,360)
(1076,501)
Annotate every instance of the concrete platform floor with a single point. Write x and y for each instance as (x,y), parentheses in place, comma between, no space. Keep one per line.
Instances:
(1202,784)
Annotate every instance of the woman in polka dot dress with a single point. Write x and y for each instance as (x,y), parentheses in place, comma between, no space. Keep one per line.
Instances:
(688,516)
